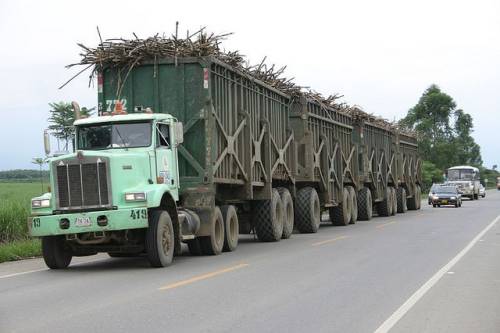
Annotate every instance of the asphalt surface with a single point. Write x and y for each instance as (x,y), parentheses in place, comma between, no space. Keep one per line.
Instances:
(342,279)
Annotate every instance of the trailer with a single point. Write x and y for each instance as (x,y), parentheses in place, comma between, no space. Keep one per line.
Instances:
(222,153)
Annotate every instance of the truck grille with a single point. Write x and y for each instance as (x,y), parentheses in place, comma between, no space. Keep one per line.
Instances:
(82,185)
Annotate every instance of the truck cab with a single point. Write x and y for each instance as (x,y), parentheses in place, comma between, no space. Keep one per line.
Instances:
(116,193)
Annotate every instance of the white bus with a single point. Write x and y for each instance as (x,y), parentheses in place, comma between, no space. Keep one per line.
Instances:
(466,178)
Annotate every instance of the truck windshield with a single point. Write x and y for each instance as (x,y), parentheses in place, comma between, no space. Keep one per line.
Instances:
(117,135)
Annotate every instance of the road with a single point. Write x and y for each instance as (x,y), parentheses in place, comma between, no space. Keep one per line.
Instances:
(433,270)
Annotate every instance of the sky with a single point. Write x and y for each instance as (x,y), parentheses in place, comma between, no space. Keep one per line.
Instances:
(381,55)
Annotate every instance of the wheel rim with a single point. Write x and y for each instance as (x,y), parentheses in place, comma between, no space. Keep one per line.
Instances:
(232,228)
(218,232)
(166,241)
(316,211)
(289,213)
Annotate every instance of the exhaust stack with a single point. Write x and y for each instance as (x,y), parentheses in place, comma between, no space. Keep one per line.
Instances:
(76,110)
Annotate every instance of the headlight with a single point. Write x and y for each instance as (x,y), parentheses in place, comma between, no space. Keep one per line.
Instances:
(435,197)
(136,196)
(40,203)
(453,198)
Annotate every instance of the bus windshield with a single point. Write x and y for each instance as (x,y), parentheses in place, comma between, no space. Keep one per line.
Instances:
(461,174)
(114,135)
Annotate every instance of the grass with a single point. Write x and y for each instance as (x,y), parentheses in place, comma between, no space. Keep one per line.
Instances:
(20,250)
(15,201)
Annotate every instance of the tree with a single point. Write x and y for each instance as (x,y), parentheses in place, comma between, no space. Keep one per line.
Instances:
(62,118)
(468,151)
(495,167)
(444,131)
(430,174)
(40,162)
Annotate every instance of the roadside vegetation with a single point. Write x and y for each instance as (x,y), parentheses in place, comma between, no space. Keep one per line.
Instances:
(15,199)
(444,137)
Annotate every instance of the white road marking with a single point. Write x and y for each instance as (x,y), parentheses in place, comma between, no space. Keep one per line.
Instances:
(403,309)
(45,269)
(22,273)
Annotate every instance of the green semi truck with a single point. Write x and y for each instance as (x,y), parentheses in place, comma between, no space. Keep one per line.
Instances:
(193,150)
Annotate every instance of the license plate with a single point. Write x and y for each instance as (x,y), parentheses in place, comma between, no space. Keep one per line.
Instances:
(445,201)
(83,221)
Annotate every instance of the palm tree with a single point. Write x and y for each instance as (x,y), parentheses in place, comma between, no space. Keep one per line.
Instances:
(62,118)
(40,162)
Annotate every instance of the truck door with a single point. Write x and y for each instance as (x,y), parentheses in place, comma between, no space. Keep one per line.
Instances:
(166,165)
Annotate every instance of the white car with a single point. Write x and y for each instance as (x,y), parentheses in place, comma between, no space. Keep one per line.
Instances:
(482,191)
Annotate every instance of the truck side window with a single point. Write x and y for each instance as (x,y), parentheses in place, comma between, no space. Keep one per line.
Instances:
(163,135)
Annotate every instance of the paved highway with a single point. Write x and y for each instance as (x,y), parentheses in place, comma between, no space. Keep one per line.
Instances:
(433,270)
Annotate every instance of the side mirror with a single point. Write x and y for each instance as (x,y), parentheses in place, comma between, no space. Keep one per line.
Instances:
(179,133)
(46,142)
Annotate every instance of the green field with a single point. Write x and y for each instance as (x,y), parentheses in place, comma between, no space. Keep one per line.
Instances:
(15,201)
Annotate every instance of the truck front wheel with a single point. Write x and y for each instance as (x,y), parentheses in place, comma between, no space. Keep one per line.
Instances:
(160,239)
(55,252)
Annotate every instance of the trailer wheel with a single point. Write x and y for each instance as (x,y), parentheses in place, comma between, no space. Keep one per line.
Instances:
(55,253)
(269,218)
(354,204)
(160,242)
(213,244)
(419,197)
(365,207)
(231,227)
(412,202)
(384,207)
(288,218)
(394,201)
(401,200)
(341,214)
(307,210)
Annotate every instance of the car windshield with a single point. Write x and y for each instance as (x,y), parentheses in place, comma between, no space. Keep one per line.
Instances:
(434,187)
(446,190)
(114,135)
(461,174)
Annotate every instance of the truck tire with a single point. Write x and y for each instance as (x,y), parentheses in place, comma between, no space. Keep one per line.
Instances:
(394,201)
(341,214)
(231,228)
(412,202)
(55,252)
(307,210)
(160,240)
(288,217)
(401,200)
(384,207)
(365,206)
(214,243)
(268,217)
(354,204)
(419,197)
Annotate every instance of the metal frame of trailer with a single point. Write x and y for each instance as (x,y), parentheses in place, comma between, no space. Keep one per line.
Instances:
(242,137)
